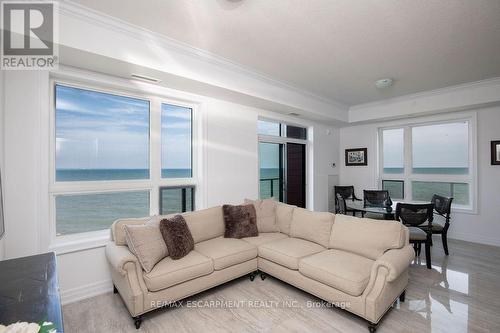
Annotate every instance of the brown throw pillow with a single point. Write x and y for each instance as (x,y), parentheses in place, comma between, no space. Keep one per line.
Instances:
(240,221)
(177,236)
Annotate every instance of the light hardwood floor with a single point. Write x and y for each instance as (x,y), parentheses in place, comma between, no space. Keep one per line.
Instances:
(461,293)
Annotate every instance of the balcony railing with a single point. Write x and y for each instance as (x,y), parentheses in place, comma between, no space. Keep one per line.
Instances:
(269,187)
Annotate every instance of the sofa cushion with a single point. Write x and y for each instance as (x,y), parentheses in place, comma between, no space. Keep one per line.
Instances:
(284,216)
(226,252)
(205,224)
(147,244)
(240,221)
(341,270)
(366,237)
(118,228)
(264,237)
(266,214)
(169,272)
(312,226)
(177,236)
(288,251)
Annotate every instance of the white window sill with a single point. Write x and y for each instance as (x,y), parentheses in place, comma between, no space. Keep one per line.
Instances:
(80,242)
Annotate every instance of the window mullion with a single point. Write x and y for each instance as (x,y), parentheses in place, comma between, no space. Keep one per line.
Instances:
(155,154)
(407,148)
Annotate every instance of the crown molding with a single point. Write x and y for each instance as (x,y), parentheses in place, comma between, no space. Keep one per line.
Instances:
(473,95)
(71,9)
(487,83)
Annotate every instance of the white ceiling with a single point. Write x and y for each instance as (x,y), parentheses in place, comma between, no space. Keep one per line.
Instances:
(335,48)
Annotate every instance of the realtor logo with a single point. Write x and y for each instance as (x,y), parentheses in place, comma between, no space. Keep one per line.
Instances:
(29,35)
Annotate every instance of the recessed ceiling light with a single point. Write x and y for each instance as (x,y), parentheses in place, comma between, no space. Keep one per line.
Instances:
(384,83)
(145,78)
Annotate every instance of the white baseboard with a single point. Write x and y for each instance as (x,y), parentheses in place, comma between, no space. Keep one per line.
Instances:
(475,238)
(86,291)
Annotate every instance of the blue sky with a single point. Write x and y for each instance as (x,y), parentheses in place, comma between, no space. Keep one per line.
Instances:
(102,131)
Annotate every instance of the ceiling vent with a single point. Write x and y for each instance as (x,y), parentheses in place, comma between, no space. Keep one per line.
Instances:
(145,78)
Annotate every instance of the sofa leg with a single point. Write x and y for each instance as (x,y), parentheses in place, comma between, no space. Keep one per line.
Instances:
(263,276)
(115,291)
(402,296)
(372,327)
(137,321)
(253,275)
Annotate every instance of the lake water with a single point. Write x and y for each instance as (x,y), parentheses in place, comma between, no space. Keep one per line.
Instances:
(97,211)
(90,212)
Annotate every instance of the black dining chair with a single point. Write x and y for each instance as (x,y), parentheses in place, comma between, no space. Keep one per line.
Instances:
(442,207)
(376,198)
(346,192)
(341,205)
(414,216)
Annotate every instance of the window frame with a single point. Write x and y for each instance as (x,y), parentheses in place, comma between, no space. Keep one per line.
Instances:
(87,81)
(193,195)
(408,176)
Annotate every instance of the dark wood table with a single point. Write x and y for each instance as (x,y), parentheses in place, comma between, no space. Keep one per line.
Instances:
(29,291)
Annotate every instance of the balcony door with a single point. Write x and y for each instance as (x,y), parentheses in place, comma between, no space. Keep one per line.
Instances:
(283,172)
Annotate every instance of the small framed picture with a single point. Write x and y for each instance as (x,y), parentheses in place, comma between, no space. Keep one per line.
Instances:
(356,156)
(495,152)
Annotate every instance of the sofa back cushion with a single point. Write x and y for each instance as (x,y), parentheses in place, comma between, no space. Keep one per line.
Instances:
(312,226)
(205,224)
(146,243)
(366,237)
(118,230)
(266,214)
(284,214)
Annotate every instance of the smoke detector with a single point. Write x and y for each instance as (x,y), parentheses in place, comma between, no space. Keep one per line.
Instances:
(384,83)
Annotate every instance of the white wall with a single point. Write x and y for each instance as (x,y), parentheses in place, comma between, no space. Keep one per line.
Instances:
(483,227)
(230,173)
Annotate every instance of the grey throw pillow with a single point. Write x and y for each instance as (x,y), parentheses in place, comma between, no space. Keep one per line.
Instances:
(177,236)
(146,242)
(240,221)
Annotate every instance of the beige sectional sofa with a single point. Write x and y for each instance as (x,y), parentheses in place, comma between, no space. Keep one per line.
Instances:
(360,263)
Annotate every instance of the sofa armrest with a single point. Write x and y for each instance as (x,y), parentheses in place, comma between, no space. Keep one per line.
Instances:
(118,256)
(395,261)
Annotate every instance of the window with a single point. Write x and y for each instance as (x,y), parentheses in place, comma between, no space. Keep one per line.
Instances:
(423,191)
(282,162)
(393,151)
(396,188)
(97,211)
(102,168)
(271,170)
(296,132)
(265,127)
(268,128)
(441,149)
(176,199)
(100,136)
(176,140)
(419,161)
